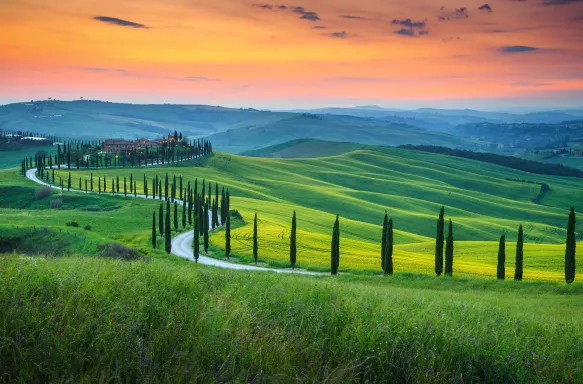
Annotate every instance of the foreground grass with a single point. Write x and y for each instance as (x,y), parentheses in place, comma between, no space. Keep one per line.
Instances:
(90,319)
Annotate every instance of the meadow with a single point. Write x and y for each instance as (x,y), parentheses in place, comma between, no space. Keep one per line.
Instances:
(68,314)
(89,319)
(483,200)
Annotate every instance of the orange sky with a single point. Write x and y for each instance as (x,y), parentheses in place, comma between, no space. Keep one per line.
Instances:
(395,53)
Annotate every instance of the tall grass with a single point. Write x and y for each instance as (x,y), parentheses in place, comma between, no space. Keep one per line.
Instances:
(81,320)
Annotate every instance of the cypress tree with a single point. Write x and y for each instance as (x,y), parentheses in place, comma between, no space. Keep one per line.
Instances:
(125,187)
(174,188)
(145,186)
(439,243)
(183,214)
(196,242)
(335,249)
(135,189)
(449,250)
(255,245)
(161,222)
(154,229)
(384,241)
(117,184)
(166,187)
(99,185)
(389,249)
(91,181)
(160,189)
(519,254)
(69,182)
(228,235)
(206,228)
(570,248)
(292,243)
(131,182)
(175,216)
(501,269)
(104,184)
(167,230)
(180,187)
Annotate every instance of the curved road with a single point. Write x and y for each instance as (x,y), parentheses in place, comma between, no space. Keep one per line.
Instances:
(182,244)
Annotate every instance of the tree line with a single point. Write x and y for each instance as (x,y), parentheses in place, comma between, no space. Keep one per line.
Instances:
(444,248)
(83,154)
(202,210)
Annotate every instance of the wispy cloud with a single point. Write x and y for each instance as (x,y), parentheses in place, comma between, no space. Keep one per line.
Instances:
(485,8)
(518,49)
(119,22)
(304,14)
(139,75)
(354,17)
(338,35)
(561,2)
(410,28)
(532,84)
(452,14)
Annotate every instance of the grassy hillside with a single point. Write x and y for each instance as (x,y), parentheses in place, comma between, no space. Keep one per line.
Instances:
(304,148)
(10,159)
(84,319)
(330,128)
(483,200)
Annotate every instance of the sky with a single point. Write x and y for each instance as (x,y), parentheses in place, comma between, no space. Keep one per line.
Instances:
(499,55)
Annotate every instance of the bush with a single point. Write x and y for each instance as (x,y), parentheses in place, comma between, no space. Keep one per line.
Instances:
(87,227)
(72,224)
(56,203)
(236,215)
(118,251)
(42,192)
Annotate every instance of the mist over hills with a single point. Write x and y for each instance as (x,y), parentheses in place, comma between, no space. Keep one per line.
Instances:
(237,130)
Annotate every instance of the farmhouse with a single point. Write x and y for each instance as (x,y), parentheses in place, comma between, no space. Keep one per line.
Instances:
(116,146)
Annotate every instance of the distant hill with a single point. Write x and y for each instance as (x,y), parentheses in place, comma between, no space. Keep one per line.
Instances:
(446,120)
(92,119)
(331,128)
(305,148)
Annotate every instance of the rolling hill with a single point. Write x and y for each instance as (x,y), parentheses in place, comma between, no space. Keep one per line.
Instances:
(331,128)
(483,200)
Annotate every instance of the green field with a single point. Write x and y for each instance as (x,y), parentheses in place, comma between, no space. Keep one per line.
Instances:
(483,200)
(70,315)
(10,159)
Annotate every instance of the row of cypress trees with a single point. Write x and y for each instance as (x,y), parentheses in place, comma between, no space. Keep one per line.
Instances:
(387,244)
(200,210)
(67,156)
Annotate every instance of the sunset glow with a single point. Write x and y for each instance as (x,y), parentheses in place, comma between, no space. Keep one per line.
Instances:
(308,53)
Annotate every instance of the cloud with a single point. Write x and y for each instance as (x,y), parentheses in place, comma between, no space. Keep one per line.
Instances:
(485,8)
(199,78)
(147,75)
(337,35)
(351,17)
(408,23)
(410,28)
(305,15)
(517,49)
(453,14)
(561,2)
(531,84)
(312,16)
(319,27)
(119,22)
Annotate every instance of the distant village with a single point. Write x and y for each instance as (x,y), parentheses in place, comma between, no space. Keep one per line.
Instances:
(119,145)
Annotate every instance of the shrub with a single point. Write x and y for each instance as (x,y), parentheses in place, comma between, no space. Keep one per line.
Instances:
(118,251)
(56,203)
(236,215)
(72,224)
(42,192)
(87,227)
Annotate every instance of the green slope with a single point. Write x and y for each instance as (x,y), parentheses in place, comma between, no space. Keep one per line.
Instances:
(330,128)
(482,200)
(304,148)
